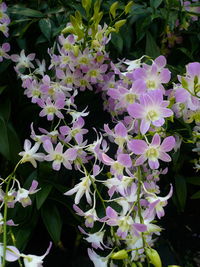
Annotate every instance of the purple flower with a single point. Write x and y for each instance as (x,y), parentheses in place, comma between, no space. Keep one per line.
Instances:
(23,194)
(151,110)
(29,154)
(50,109)
(57,155)
(3,49)
(117,167)
(154,75)
(152,152)
(23,61)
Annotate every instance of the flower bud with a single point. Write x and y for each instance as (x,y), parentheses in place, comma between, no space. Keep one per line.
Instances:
(76,50)
(68,29)
(154,257)
(120,255)
(113,9)
(133,264)
(128,7)
(119,24)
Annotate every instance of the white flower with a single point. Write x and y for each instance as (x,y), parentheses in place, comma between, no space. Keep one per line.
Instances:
(12,253)
(23,194)
(30,153)
(97,260)
(22,60)
(33,260)
(80,189)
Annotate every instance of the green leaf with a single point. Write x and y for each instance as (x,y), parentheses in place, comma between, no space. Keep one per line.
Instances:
(41,39)
(196,195)
(14,143)
(152,49)
(52,221)
(4,65)
(4,144)
(32,176)
(45,27)
(23,232)
(193,180)
(2,88)
(117,41)
(24,29)
(42,195)
(181,190)
(141,26)
(186,52)
(128,7)
(155,3)
(113,9)
(28,12)
(5,109)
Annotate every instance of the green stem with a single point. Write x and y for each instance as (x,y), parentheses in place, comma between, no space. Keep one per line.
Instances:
(4,223)
(140,209)
(9,178)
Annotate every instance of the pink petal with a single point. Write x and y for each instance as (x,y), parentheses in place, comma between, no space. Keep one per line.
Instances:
(125,160)
(165,76)
(31,56)
(156,140)
(168,144)
(144,127)
(34,185)
(48,147)
(120,130)
(160,61)
(164,157)
(111,213)
(6,47)
(140,227)
(135,110)
(70,154)
(27,145)
(166,112)
(64,130)
(12,255)
(56,165)
(140,160)
(137,146)
(153,164)
(107,160)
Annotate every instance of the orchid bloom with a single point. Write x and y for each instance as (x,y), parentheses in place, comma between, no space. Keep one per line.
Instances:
(29,154)
(57,155)
(23,194)
(151,110)
(152,152)
(35,261)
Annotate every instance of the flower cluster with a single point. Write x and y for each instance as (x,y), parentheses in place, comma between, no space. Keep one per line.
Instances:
(120,186)
(4,22)
(185,97)
(138,97)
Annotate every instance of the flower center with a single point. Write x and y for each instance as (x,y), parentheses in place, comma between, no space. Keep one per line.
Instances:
(58,157)
(69,80)
(51,110)
(67,46)
(36,93)
(152,153)
(130,98)
(152,115)
(151,84)
(93,73)
(83,82)
(84,60)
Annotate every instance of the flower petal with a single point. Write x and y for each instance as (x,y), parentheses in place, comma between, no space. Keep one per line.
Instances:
(137,146)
